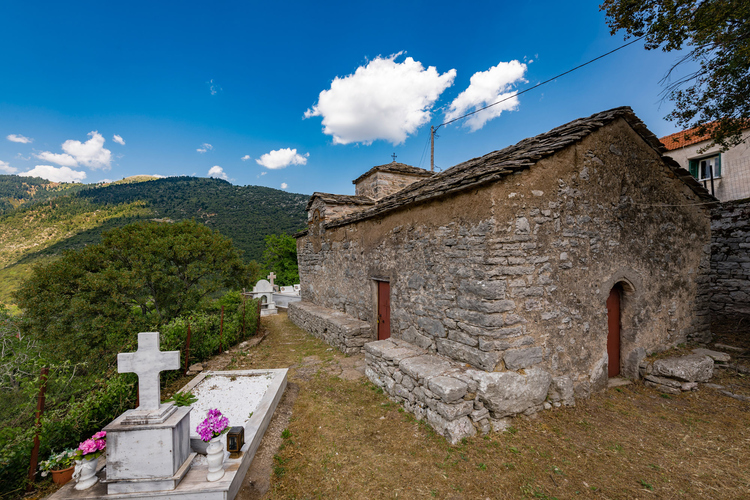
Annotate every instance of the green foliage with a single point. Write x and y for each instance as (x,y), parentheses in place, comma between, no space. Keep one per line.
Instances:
(183,399)
(90,303)
(280,256)
(716,34)
(81,401)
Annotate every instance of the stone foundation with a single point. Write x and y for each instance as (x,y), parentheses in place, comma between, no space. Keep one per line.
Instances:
(335,328)
(456,401)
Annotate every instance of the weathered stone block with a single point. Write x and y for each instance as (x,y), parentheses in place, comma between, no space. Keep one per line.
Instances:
(413,337)
(424,366)
(510,393)
(691,368)
(455,410)
(448,388)
(454,430)
(460,352)
(717,356)
(561,391)
(515,359)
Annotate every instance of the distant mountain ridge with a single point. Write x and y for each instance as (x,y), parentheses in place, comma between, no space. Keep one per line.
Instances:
(39,219)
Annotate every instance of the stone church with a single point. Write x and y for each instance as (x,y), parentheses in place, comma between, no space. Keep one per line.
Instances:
(513,282)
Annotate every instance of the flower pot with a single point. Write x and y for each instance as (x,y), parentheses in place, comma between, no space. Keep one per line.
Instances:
(215,458)
(85,473)
(62,476)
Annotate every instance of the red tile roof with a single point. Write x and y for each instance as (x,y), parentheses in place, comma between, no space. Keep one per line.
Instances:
(681,139)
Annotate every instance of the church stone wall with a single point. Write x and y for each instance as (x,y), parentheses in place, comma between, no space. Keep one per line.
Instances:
(381,184)
(730,260)
(515,274)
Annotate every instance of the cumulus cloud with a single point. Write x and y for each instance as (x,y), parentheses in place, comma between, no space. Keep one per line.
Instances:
(91,153)
(245,158)
(281,158)
(204,148)
(217,173)
(19,138)
(488,87)
(6,168)
(118,139)
(284,185)
(382,100)
(60,158)
(55,174)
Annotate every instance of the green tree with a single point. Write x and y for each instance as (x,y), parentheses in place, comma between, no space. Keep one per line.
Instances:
(715,98)
(91,303)
(280,256)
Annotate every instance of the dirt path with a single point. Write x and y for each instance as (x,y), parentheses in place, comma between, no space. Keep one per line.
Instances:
(335,435)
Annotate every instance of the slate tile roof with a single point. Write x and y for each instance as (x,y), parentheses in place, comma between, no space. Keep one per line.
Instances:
(396,168)
(497,165)
(340,199)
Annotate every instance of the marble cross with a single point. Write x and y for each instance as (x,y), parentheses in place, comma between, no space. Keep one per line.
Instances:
(271,277)
(147,362)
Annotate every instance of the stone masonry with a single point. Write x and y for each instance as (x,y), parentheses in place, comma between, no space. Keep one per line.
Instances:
(501,266)
(457,401)
(730,260)
(347,334)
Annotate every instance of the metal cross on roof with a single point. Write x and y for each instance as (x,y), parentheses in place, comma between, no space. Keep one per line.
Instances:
(148,362)
(394,157)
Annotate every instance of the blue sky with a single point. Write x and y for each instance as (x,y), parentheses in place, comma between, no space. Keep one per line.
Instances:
(311,95)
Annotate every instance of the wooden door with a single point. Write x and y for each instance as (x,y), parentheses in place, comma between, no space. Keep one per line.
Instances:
(384,310)
(613,337)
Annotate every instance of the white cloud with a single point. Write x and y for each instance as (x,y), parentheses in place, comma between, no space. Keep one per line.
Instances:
(60,158)
(6,168)
(281,158)
(204,148)
(245,158)
(382,100)
(19,138)
(218,173)
(261,174)
(118,139)
(284,185)
(488,87)
(91,153)
(55,174)
(213,87)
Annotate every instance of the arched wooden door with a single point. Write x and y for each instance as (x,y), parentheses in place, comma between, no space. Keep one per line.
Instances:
(613,336)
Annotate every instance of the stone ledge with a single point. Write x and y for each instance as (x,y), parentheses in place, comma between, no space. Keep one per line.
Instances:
(455,400)
(345,333)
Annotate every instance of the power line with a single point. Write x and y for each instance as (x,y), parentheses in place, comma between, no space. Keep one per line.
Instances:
(542,83)
(434,129)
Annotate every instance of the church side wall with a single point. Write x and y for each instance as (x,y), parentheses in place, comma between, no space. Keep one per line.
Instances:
(516,274)
(730,261)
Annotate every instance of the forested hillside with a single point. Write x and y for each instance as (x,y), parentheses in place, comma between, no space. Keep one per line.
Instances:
(40,219)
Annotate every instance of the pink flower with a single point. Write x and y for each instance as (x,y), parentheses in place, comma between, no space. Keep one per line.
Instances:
(99,435)
(88,446)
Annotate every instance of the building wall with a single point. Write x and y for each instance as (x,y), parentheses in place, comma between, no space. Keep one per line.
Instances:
(730,261)
(381,184)
(330,211)
(734,183)
(516,273)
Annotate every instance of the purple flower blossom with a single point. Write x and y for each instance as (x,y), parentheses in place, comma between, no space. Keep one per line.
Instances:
(214,425)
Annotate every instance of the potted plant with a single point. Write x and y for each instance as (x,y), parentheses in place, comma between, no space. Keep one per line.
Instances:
(61,466)
(86,458)
(210,431)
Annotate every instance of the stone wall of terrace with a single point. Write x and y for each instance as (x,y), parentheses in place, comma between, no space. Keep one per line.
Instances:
(730,260)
